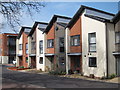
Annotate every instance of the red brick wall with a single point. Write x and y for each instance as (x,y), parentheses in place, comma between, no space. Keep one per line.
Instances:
(76,30)
(25,40)
(50,35)
(4,43)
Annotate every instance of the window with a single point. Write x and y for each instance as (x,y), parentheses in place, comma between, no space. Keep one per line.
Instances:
(33,47)
(20,46)
(0,51)
(75,40)
(26,48)
(41,46)
(50,43)
(41,60)
(61,44)
(117,37)
(92,42)
(0,42)
(61,61)
(26,59)
(92,62)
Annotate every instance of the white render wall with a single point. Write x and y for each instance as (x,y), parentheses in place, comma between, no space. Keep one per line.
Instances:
(67,40)
(111,49)
(20,42)
(40,36)
(89,26)
(4,59)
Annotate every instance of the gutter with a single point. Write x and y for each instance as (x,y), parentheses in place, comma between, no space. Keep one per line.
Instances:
(106,51)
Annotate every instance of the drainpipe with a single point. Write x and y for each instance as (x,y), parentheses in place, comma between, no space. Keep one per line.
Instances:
(106,50)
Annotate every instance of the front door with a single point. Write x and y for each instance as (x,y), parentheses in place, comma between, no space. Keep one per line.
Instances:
(33,62)
(75,63)
(118,66)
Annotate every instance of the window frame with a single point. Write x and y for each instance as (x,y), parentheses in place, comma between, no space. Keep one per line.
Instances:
(72,38)
(40,60)
(41,47)
(91,43)
(90,58)
(20,46)
(26,47)
(60,45)
(33,47)
(116,38)
(52,43)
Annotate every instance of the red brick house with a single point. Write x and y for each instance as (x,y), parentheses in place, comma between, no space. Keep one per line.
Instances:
(55,45)
(7,47)
(22,47)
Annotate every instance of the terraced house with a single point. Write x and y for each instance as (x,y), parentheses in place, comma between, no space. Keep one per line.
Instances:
(93,34)
(116,44)
(7,48)
(36,42)
(55,43)
(22,47)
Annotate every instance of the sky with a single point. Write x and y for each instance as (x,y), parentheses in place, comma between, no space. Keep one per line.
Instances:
(62,8)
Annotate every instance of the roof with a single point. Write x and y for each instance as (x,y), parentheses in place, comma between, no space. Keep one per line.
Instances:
(35,25)
(22,30)
(54,18)
(97,18)
(116,18)
(80,11)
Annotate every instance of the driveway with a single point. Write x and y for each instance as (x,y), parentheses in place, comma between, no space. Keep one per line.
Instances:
(14,79)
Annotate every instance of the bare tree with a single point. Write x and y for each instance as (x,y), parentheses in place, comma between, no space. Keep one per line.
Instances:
(12,11)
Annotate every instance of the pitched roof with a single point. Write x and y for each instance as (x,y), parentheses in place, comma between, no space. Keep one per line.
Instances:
(23,30)
(54,18)
(34,27)
(81,10)
(116,18)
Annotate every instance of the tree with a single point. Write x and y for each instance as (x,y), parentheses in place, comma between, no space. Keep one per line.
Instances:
(12,11)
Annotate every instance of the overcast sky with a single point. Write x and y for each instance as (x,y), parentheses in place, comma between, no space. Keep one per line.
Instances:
(65,9)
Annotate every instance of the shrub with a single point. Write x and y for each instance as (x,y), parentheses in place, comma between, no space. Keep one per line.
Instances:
(57,72)
(111,76)
(20,67)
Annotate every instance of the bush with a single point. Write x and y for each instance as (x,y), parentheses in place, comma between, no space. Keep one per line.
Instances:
(111,76)
(20,67)
(57,72)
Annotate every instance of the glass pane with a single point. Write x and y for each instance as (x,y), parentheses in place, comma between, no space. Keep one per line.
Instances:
(117,37)
(75,41)
(93,47)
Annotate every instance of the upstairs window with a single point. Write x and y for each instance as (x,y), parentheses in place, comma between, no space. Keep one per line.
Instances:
(41,46)
(75,40)
(92,42)
(26,48)
(20,46)
(61,44)
(117,37)
(50,43)
(92,62)
(33,46)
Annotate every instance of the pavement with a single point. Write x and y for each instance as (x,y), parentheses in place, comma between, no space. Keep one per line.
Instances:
(15,79)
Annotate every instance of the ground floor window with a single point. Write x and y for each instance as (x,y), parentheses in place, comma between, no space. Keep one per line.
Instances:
(41,60)
(26,59)
(92,62)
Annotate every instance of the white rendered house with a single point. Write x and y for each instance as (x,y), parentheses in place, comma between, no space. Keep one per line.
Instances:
(38,37)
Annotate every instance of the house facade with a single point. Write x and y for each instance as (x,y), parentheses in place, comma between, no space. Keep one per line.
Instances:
(55,43)
(7,48)
(116,52)
(97,59)
(37,50)
(74,47)
(22,47)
